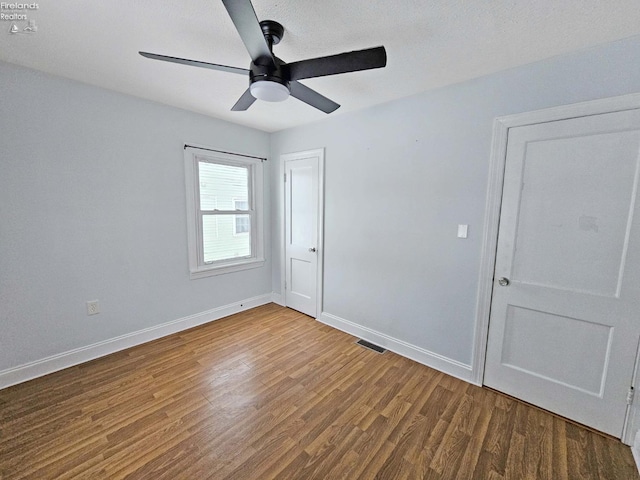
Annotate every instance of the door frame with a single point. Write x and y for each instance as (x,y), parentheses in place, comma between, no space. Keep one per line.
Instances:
(493,203)
(319,154)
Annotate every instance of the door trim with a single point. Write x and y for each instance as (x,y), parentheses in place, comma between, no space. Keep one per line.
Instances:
(319,153)
(493,202)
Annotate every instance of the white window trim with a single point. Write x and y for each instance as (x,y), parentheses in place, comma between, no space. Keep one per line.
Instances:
(197,267)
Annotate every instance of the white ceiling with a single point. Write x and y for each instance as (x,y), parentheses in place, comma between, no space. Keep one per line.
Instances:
(429,44)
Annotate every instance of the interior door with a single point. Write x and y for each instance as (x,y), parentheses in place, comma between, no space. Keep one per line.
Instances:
(565,312)
(302,203)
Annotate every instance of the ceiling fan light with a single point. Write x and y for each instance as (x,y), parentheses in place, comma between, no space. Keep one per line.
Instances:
(269,91)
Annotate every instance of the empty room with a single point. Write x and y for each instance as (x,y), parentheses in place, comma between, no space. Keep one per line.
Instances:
(256,239)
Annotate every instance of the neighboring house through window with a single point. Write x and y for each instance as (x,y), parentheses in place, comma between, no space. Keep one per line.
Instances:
(241,223)
(224,202)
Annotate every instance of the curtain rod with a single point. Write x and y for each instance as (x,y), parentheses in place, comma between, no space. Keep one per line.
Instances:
(263,159)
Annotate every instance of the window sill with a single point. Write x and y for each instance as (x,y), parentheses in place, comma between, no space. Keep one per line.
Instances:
(228,268)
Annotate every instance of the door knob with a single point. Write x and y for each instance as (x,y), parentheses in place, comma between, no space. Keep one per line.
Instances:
(503,281)
(312,249)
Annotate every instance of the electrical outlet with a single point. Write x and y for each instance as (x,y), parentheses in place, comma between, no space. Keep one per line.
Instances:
(93,307)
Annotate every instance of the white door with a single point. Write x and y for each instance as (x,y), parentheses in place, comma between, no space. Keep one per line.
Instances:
(302,230)
(565,313)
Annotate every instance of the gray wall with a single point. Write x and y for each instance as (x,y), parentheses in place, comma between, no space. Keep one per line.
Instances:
(400,177)
(92,206)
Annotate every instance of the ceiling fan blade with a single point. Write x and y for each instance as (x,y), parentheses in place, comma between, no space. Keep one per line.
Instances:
(195,63)
(244,102)
(341,63)
(313,98)
(244,18)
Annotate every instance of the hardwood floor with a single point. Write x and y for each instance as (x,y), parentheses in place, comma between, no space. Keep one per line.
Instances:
(271,393)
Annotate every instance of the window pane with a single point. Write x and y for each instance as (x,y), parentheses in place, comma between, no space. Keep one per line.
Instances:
(220,240)
(222,185)
(241,224)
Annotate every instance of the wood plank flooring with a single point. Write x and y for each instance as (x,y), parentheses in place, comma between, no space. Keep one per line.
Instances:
(271,393)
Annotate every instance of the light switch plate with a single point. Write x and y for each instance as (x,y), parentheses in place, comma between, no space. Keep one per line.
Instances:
(462,231)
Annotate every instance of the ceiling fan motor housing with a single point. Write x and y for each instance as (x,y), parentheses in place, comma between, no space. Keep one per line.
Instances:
(273,73)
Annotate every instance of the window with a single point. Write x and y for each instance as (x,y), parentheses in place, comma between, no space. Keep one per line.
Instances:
(224,203)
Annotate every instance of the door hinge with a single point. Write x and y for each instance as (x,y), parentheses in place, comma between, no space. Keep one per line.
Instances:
(630,395)
(285,178)
(285,285)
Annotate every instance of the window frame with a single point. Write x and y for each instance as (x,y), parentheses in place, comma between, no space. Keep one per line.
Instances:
(197,267)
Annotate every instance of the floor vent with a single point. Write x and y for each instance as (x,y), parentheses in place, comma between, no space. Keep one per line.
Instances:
(371,346)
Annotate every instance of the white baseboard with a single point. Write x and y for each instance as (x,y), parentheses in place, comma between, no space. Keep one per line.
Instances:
(278,299)
(76,356)
(420,355)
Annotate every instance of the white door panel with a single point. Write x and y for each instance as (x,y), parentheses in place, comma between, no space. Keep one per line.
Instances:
(301,278)
(302,203)
(564,332)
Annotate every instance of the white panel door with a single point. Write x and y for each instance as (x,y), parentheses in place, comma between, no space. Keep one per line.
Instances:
(301,234)
(565,312)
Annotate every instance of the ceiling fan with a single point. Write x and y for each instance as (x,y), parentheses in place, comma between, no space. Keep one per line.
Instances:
(270,78)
